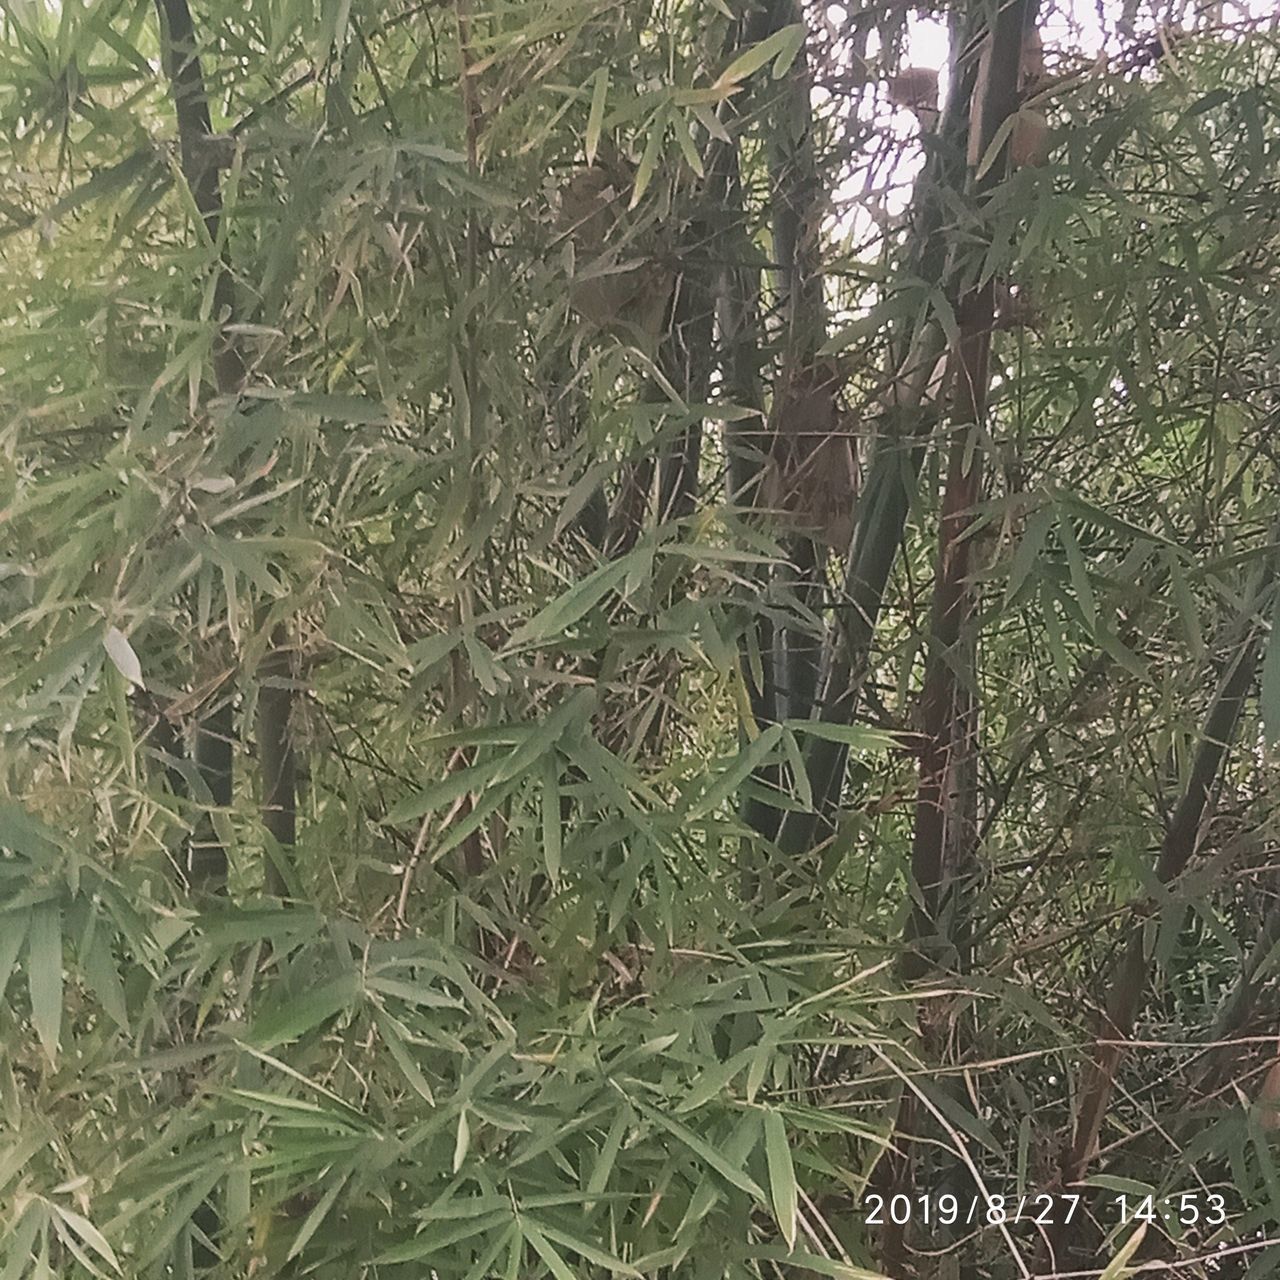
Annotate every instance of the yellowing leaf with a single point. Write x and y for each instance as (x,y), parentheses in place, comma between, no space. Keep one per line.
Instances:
(1117,1266)
(462,1142)
(120,651)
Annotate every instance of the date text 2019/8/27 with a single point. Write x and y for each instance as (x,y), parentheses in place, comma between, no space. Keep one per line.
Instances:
(949,1210)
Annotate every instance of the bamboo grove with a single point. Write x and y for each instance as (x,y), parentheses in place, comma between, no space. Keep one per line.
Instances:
(636,639)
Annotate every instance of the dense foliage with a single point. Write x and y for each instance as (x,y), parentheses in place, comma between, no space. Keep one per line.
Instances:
(617,636)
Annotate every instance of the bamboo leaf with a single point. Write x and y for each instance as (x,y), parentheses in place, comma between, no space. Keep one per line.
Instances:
(599,98)
(782,1175)
(603,1166)
(399,1051)
(780,48)
(439,1237)
(1269,690)
(295,1017)
(13,933)
(649,158)
(735,1176)
(814,1263)
(1118,1266)
(44,974)
(121,653)
(445,792)
(1080,583)
(552,846)
(547,1252)
(88,1233)
(551,622)
(597,1257)
(742,767)
(860,736)
(1030,547)
(99,968)
(313,1220)
(462,1140)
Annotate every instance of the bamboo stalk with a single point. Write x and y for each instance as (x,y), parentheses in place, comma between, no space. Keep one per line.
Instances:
(1129,979)
(945,829)
(213,749)
(909,403)
(277,764)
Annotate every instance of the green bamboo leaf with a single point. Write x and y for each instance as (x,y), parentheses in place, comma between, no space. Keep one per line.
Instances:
(595,120)
(425,654)
(99,968)
(300,1014)
(23,834)
(684,139)
(316,1217)
(649,158)
(962,1117)
(21,1239)
(551,622)
(589,1252)
(742,767)
(418,993)
(860,736)
(1053,635)
(732,1174)
(1080,583)
(543,1247)
(782,1175)
(13,933)
(998,139)
(780,48)
(1123,1185)
(1125,657)
(435,1239)
(353,410)
(545,735)
(443,793)
(604,1162)
(1186,604)
(1030,547)
(1269,691)
(820,1266)
(709,121)
(44,974)
(799,770)
(711,1083)
(552,847)
(399,1051)
(1105,520)
(87,1233)
(109,181)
